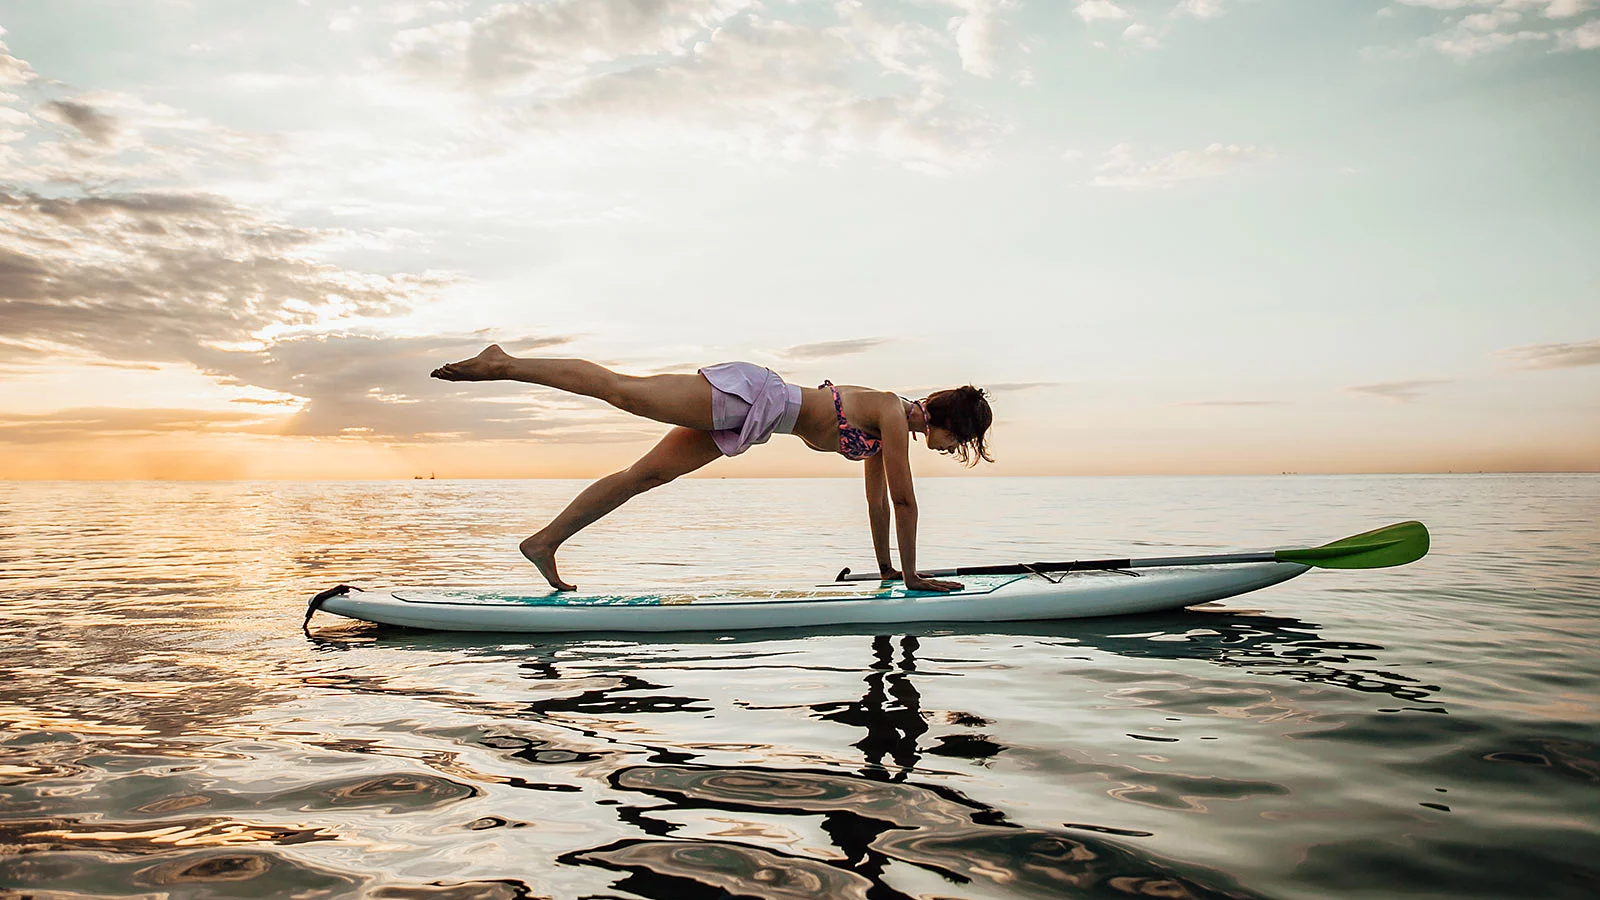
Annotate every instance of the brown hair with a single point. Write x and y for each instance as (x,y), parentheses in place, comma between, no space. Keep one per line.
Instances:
(965,413)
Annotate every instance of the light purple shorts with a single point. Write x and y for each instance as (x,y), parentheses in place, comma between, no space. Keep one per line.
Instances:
(749,404)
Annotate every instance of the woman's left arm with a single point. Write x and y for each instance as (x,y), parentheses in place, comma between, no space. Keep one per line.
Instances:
(878,515)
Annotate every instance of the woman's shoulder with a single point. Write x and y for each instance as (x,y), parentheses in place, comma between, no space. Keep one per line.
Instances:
(879,406)
(864,390)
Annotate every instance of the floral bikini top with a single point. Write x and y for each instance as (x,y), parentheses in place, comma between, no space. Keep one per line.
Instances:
(855,443)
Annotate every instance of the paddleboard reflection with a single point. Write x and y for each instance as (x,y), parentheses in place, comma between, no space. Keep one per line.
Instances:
(895,806)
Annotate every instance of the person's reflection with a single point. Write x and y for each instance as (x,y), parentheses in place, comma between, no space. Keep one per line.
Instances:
(890,711)
(883,813)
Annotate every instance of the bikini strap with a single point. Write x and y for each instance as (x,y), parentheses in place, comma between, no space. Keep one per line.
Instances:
(923,410)
(838,408)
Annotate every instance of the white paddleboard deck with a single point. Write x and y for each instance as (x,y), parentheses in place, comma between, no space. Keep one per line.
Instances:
(985,598)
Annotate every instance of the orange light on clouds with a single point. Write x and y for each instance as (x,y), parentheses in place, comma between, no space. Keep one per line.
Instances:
(237,254)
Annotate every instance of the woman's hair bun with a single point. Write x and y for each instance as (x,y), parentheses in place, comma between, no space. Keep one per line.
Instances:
(965,412)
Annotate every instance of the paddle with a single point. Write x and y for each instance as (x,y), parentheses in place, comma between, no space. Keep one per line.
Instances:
(1392,545)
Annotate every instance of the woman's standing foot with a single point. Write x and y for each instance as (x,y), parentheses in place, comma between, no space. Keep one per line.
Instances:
(489,365)
(544,556)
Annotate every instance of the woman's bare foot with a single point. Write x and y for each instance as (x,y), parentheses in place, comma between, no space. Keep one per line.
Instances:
(544,556)
(489,365)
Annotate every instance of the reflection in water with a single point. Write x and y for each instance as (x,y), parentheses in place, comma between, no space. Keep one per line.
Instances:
(1271,646)
(166,730)
(1274,646)
(677,868)
(873,822)
(872,818)
(499,889)
(620,699)
(878,815)
(40,835)
(206,873)
(1575,760)
(890,712)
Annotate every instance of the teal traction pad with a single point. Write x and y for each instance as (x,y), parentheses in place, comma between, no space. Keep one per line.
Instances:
(838,591)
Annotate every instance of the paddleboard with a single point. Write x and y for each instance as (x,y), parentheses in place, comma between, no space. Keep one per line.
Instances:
(985,598)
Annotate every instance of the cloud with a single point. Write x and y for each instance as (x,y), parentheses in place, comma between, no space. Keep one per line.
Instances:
(994,388)
(151,276)
(361,386)
(713,73)
(1011,387)
(1397,391)
(165,277)
(1553,356)
(92,124)
(99,274)
(1491,25)
(1141,36)
(898,47)
(977,34)
(1466,41)
(257,401)
(1490,21)
(1099,11)
(117,138)
(125,366)
(1201,9)
(91,422)
(530,46)
(378,387)
(827,349)
(1584,37)
(1550,9)
(1563,9)
(1232,403)
(1121,169)
(13,71)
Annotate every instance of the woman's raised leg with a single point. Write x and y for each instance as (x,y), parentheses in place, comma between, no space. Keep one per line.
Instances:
(671,399)
(682,451)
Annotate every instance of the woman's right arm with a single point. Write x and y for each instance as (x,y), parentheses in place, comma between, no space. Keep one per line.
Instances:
(897,472)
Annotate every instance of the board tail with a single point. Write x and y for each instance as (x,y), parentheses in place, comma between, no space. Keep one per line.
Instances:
(338,590)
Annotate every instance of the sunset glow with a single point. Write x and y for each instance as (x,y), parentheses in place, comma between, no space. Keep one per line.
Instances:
(1186,236)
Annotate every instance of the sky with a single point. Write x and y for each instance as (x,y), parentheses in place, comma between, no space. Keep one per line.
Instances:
(1167,236)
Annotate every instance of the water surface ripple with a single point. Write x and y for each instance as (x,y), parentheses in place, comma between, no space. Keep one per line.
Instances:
(166,730)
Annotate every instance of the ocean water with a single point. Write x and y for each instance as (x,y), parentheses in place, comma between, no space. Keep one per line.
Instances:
(167,730)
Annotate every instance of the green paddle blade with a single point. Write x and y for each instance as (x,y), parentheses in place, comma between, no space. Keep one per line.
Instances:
(1392,545)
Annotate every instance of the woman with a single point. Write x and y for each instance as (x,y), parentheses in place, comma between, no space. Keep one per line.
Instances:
(724,410)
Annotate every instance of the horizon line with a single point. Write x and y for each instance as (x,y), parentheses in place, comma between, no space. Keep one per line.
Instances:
(1464,472)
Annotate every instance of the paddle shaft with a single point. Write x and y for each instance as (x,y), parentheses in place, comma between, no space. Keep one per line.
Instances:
(1086,565)
(1380,548)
